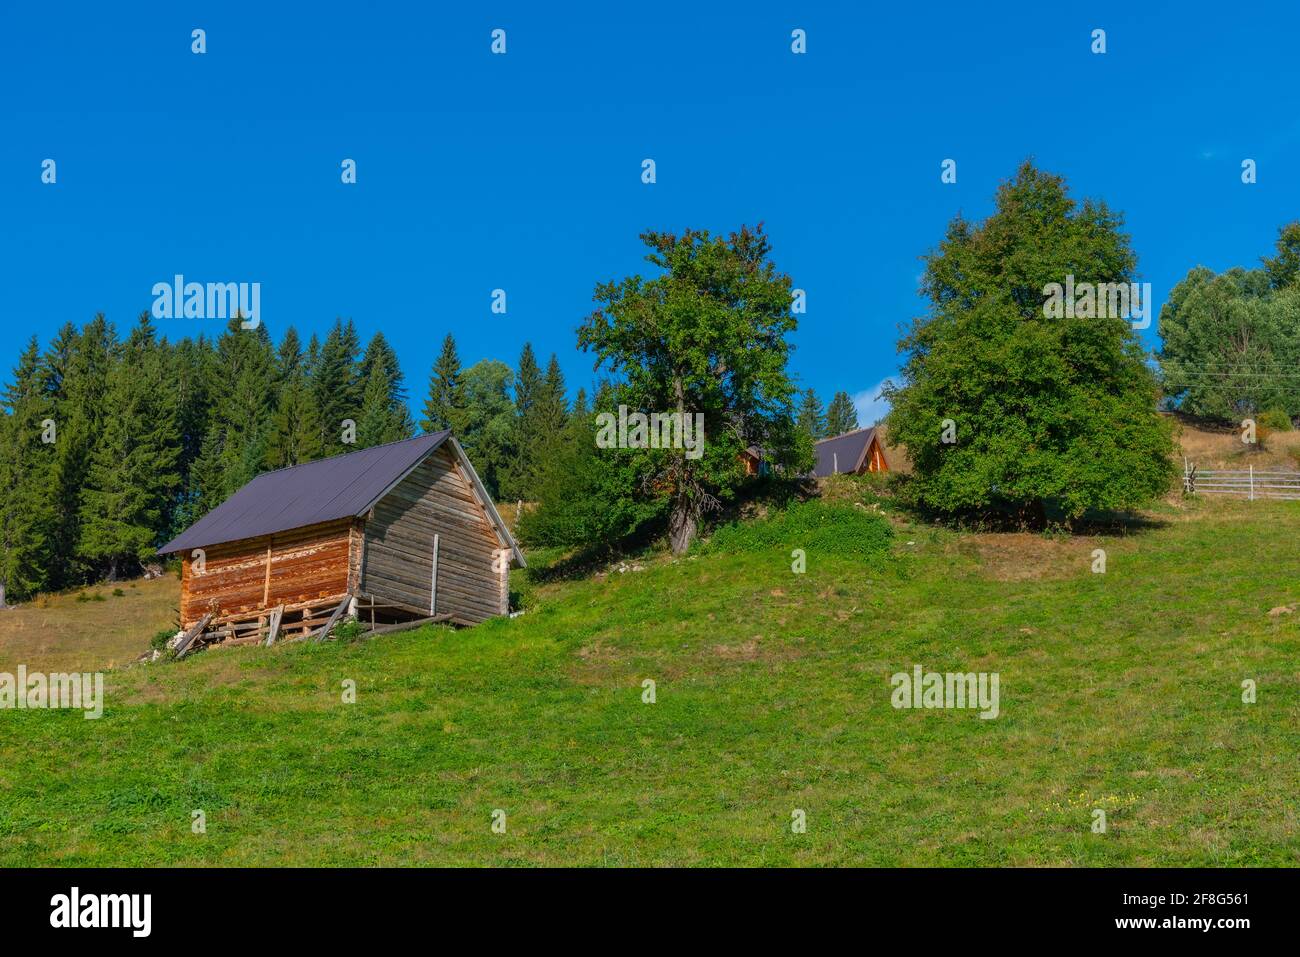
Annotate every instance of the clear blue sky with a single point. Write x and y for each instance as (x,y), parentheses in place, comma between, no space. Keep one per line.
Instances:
(522,171)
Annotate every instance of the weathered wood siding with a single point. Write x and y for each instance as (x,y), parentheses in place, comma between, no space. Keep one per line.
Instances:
(292,568)
(397,556)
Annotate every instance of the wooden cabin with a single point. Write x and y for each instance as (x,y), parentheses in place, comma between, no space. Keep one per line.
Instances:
(853,452)
(393,533)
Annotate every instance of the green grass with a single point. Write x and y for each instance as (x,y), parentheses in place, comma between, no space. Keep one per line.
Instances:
(1120,691)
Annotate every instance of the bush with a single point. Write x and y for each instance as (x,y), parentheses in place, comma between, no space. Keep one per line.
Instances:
(849,531)
(118,593)
(159,641)
(1275,419)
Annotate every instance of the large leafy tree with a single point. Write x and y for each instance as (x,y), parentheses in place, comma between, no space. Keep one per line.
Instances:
(1046,414)
(707,335)
(1230,344)
(488,429)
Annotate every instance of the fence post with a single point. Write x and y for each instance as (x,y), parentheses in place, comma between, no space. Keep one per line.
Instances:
(1252,482)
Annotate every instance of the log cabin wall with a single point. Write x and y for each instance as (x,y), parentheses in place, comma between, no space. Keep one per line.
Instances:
(292,568)
(397,563)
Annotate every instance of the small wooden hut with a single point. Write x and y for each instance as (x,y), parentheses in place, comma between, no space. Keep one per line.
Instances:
(853,452)
(393,533)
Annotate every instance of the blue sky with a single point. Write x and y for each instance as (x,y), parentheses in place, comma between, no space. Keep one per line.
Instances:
(522,171)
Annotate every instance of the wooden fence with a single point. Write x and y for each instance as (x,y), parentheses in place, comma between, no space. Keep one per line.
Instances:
(1250,483)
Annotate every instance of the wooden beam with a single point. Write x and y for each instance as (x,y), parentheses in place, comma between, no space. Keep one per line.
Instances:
(405,625)
(276,616)
(324,632)
(433,592)
(266,585)
(183,648)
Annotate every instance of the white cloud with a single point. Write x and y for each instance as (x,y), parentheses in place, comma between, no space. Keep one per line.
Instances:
(871,405)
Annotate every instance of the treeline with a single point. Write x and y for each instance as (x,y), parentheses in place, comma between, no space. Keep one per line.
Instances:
(826,422)
(110,445)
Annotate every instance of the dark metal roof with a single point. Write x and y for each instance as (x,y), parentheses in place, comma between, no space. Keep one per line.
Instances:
(321,491)
(844,453)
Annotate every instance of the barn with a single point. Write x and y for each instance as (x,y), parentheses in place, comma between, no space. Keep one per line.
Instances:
(395,533)
(853,452)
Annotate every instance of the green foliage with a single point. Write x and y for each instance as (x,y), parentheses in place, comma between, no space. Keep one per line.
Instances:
(812,417)
(132,475)
(1050,415)
(488,422)
(586,496)
(841,415)
(1276,419)
(1283,270)
(706,335)
(1231,344)
(819,528)
(160,638)
(445,406)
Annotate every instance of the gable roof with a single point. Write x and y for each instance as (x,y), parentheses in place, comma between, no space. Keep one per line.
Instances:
(343,486)
(843,453)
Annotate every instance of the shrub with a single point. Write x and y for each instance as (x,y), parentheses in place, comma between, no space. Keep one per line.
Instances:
(160,638)
(849,531)
(1275,419)
(118,593)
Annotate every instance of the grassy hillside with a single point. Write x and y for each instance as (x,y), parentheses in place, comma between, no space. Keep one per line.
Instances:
(1120,691)
(89,628)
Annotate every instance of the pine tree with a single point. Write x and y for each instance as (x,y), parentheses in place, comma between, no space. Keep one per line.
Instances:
(132,472)
(79,414)
(382,418)
(811,417)
(245,372)
(388,413)
(519,474)
(337,386)
(445,406)
(295,434)
(841,415)
(28,520)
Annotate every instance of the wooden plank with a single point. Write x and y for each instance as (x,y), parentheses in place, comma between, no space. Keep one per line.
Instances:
(276,617)
(183,648)
(433,591)
(324,632)
(407,625)
(266,585)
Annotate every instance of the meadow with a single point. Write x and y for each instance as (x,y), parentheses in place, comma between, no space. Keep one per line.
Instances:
(1120,691)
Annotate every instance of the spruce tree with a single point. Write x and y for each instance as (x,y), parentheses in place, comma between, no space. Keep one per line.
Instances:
(295,433)
(841,415)
(445,406)
(811,417)
(28,519)
(337,386)
(132,470)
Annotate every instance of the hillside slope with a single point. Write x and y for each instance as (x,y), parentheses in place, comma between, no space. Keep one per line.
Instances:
(1119,691)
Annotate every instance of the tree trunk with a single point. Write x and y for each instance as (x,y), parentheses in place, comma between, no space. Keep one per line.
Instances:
(681,527)
(2,594)
(112,569)
(682,522)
